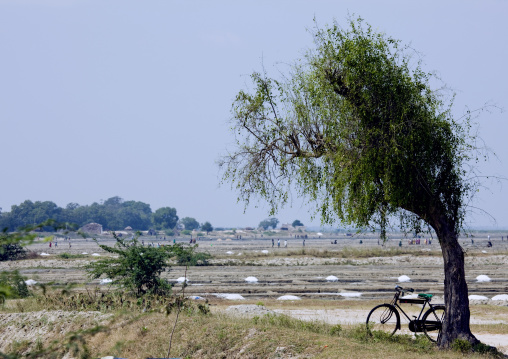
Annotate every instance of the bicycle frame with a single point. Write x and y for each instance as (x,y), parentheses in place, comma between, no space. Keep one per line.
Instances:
(414,324)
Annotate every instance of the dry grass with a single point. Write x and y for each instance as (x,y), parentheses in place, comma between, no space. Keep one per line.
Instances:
(347,252)
(134,334)
(221,336)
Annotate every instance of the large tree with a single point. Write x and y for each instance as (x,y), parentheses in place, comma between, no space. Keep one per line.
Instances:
(356,127)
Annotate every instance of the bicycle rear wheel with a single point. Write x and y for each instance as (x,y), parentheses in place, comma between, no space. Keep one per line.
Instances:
(433,321)
(384,318)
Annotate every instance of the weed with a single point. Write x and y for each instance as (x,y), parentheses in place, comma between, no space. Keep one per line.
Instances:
(461,345)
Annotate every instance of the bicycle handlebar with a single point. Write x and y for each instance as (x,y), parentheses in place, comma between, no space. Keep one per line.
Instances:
(400,289)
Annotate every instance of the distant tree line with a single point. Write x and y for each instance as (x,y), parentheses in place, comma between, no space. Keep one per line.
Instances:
(112,214)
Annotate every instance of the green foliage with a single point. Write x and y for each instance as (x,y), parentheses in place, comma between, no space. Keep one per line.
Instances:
(13,285)
(461,345)
(169,232)
(186,232)
(165,218)
(297,223)
(356,128)
(207,227)
(70,256)
(189,223)
(113,214)
(190,257)
(336,329)
(137,268)
(269,222)
(11,252)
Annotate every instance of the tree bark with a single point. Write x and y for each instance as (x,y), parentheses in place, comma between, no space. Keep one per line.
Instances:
(456,321)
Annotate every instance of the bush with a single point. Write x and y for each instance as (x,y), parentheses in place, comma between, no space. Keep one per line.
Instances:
(12,252)
(191,258)
(13,285)
(461,345)
(136,267)
(169,232)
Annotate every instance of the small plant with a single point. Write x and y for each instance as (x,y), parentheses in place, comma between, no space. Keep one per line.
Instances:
(483,349)
(336,329)
(461,345)
(260,304)
(13,285)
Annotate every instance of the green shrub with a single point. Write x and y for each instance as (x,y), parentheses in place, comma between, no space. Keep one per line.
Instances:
(11,252)
(461,345)
(336,329)
(70,256)
(14,285)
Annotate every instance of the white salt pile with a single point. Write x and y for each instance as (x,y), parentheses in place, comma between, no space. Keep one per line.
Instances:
(483,278)
(229,252)
(44,254)
(484,251)
(105,281)
(500,297)
(96,254)
(239,254)
(477,297)
(264,251)
(289,297)
(230,296)
(30,282)
(350,295)
(182,279)
(410,296)
(404,278)
(84,253)
(332,278)
(251,279)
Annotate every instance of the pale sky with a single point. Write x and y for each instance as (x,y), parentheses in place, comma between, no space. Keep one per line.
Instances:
(132,98)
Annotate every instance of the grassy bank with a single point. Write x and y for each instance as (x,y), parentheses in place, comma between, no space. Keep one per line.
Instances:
(139,333)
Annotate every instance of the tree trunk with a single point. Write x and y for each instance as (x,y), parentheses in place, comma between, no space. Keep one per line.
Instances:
(456,321)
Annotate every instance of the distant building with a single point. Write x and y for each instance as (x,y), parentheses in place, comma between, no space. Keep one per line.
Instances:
(92,228)
(128,229)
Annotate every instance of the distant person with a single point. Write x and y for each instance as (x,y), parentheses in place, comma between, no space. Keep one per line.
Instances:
(50,244)
(400,243)
(285,243)
(472,241)
(489,244)
(278,243)
(304,242)
(273,243)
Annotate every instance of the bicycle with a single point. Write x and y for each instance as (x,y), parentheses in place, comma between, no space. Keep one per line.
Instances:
(385,317)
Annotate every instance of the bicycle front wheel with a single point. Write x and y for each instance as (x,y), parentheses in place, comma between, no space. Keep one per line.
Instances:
(433,322)
(384,318)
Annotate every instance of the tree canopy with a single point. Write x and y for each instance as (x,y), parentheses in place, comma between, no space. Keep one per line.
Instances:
(189,223)
(207,227)
(356,127)
(269,222)
(297,223)
(113,214)
(165,218)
